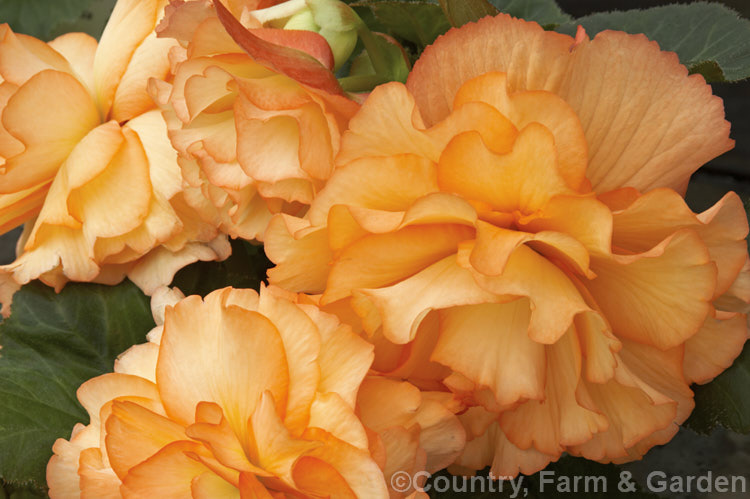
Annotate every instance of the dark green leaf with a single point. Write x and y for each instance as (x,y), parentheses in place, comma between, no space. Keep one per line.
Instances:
(245,268)
(10,492)
(91,20)
(418,21)
(51,344)
(545,12)
(726,400)
(709,38)
(460,12)
(39,17)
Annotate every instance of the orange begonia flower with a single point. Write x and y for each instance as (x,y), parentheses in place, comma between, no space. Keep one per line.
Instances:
(509,226)
(251,141)
(83,149)
(248,394)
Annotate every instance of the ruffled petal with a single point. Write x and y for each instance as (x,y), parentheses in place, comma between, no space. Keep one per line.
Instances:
(130,23)
(624,90)
(669,286)
(524,179)
(135,433)
(555,301)
(658,214)
(565,416)
(232,339)
(169,473)
(715,346)
(64,113)
(404,305)
(382,259)
(490,345)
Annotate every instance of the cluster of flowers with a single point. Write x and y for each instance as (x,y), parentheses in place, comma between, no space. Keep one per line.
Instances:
(491,265)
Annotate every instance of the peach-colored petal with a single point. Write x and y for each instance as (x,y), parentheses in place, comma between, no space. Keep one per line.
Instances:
(96,479)
(344,357)
(715,346)
(737,297)
(134,434)
(670,286)
(315,476)
(149,60)
(624,90)
(385,403)
(383,259)
(23,56)
(17,208)
(160,265)
(524,179)
(632,414)
(8,287)
(270,444)
(355,465)
(252,488)
(130,23)
(96,392)
(65,114)
(555,300)
(412,361)
(565,416)
(169,473)
(491,44)
(523,108)
(583,218)
(79,50)
(404,305)
(442,436)
(213,430)
(302,343)
(290,242)
(124,183)
(493,448)
(495,245)
(390,184)
(211,486)
(722,228)
(243,342)
(598,345)
(680,125)
(139,360)
(333,414)
(489,344)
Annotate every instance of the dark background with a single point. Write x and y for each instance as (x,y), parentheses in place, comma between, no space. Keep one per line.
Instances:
(722,452)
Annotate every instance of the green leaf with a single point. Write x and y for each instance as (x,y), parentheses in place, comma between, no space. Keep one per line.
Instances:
(417,21)
(460,12)
(726,400)
(91,20)
(545,12)
(51,344)
(709,38)
(39,17)
(245,268)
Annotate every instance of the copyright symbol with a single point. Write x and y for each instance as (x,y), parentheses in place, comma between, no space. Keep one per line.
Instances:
(400,481)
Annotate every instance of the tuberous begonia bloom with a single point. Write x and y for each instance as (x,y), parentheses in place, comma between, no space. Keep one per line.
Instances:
(252,139)
(85,160)
(247,395)
(510,226)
